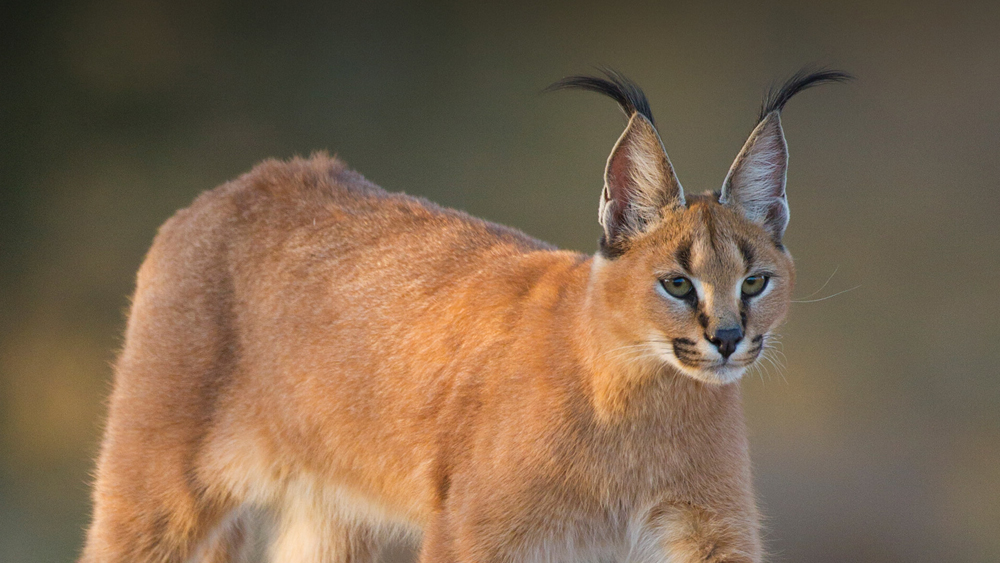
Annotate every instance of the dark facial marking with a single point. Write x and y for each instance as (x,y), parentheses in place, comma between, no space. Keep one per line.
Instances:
(747,253)
(710,227)
(444,487)
(684,256)
(687,353)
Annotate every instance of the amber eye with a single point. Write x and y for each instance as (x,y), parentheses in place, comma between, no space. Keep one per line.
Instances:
(754,285)
(680,287)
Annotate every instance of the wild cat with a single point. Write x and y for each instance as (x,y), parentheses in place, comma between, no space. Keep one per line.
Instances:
(313,365)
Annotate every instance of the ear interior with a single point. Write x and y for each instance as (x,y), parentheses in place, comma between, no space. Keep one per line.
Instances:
(639,182)
(755,183)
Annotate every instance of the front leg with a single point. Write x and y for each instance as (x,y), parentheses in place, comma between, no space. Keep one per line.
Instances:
(682,532)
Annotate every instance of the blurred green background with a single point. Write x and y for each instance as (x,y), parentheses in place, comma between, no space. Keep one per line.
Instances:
(878,441)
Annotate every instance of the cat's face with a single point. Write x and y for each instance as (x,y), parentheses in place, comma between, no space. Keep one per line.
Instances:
(702,291)
(698,282)
(695,282)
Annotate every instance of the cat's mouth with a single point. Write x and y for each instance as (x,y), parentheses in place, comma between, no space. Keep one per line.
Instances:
(703,361)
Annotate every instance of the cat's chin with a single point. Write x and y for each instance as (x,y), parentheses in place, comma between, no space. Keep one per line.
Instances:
(715,375)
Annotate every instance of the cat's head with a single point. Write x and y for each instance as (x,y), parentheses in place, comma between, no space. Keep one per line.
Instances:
(698,282)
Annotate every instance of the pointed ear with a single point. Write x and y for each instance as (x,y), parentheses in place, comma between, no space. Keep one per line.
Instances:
(756,181)
(639,182)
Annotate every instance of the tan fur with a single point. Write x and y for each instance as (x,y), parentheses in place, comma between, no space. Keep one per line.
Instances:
(314,360)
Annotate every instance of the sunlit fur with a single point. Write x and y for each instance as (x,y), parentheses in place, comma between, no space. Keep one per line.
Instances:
(314,368)
(347,365)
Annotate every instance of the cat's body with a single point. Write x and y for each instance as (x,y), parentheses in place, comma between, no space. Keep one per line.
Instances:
(345,365)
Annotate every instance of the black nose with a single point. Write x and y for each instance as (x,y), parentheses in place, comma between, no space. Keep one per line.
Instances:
(726,340)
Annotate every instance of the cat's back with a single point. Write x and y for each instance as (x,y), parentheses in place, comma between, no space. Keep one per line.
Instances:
(312,239)
(318,208)
(289,266)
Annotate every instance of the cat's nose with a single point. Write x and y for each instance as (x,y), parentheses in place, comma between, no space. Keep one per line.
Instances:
(726,340)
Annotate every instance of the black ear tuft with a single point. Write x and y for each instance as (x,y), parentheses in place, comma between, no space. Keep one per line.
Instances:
(777,97)
(639,182)
(616,86)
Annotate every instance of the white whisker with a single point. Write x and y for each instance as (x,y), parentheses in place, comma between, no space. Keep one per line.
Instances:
(824,284)
(777,366)
(828,296)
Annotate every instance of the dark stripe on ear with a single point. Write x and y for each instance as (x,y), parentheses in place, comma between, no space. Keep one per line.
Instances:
(746,251)
(684,256)
(612,250)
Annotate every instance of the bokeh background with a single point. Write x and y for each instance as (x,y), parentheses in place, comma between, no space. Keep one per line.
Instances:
(879,439)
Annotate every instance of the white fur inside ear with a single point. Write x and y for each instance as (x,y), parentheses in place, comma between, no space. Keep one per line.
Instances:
(756,181)
(639,181)
(651,177)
